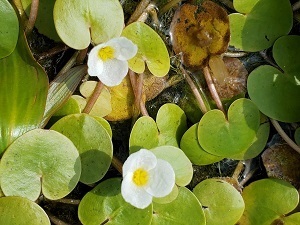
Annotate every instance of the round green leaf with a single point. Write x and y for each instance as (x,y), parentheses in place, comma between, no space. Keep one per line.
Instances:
(40,160)
(222,203)
(80,22)
(144,134)
(9,29)
(185,209)
(292,219)
(275,92)
(92,141)
(267,200)
(169,127)
(257,27)
(193,150)
(258,144)
(181,164)
(151,50)
(105,205)
(44,21)
(169,198)
(16,210)
(223,137)
(23,93)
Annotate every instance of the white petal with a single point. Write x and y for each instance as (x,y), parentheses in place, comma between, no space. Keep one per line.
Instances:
(161,179)
(95,65)
(133,194)
(124,48)
(113,73)
(141,159)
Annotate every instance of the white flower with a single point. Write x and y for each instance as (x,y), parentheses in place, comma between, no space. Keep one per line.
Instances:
(108,61)
(144,177)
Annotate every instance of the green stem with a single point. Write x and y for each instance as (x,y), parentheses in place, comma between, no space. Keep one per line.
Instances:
(32,16)
(284,136)
(93,98)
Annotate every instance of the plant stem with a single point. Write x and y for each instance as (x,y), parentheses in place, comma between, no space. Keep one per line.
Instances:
(68,201)
(139,96)
(134,85)
(32,16)
(54,219)
(117,164)
(212,89)
(138,11)
(238,170)
(284,136)
(168,6)
(53,51)
(195,91)
(235,54)
(92,100)
(69,64)
(81,56)
(296,6)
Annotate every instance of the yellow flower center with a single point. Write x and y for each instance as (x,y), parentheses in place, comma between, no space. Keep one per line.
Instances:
(140,177)
(106,53)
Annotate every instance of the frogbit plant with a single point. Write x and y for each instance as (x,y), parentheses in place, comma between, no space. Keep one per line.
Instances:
(145,177)
(108,61)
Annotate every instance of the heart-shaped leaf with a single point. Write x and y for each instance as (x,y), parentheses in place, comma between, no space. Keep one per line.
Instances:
(274,92)
(256,27)
(40,160)
(168,129)
(92,141)
(17,210)
(23,92)
(80,22)
(185,209)
(199,32)
(268,200)
(151,50)
(182,166)
(105,204)
(222,203)
(193,150)
(225,137)
(44,21)
(9,29)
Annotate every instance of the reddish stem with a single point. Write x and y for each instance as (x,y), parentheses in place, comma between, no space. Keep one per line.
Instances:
(32,16)
(92,100)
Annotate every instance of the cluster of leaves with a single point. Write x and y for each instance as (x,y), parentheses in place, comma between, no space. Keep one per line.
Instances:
(78,147)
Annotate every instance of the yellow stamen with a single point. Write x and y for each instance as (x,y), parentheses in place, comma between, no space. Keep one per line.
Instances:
(106,53)
(140,177)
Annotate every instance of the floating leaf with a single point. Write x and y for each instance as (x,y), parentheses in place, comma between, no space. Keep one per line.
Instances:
(17,210)
(40,160)
(169,198)
(193,150)
(102,106)
(92,141)
(9,29)
(185,209)
(23,92)
(122,101)
(105,204)
(258,144)
(44,21)
(267,200)
(222,203)
(198,32)
(79,22)
(256,27)
(225,137)
(275,92)
(181,164)
(168,129)
(151,50)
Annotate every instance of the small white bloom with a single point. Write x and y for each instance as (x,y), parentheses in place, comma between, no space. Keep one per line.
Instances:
(144,177)
(108,61)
